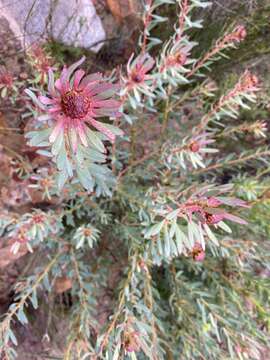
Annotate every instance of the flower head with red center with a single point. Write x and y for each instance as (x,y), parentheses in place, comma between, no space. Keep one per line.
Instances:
(138,81)
(176,56)
(75,101)
(200,143)
(209,210)
(137,71)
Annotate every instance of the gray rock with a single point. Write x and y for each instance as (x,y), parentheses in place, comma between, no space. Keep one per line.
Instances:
(72,22)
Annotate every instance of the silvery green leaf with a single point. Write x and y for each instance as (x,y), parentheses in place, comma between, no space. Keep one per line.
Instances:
(85,178)
(21,316)
(58,143)
(35,99)
(179,241)
(224,227)
(172,215)
(44,153)
(95,141)
(34,300)
(115,130)
(201,4)
(154,230)
(167,246)
(210,234)
(11,336)
(62,177)
(37,137)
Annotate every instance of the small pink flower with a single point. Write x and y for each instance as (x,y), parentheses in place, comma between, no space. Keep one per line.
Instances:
(212,219)
(6,79)
(176,60)
(198,252)
(75,101)
(38,219)
(208,209)
(199,142)
(132,343)
(137,71)
(248,82)
(178,56)
(239,34)
(22,235)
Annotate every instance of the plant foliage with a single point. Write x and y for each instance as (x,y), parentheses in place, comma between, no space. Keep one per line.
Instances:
(165,196)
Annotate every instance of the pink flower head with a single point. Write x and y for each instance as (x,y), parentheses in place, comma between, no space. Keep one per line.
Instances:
(209,211)
(213,219)
(239,33)
(199,142)
(248,82)
(131,342)
(178,59)
(198,252)
(41,61)
(6,79)
(137,71)
(22,235)
(75,101)
(178,55)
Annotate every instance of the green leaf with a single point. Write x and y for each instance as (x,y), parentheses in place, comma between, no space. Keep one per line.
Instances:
(62,177)
(172,215)
(224,227)
(154,230)
(115,130)
(85,178)
(34,300)
(21,316)
(95,141)
(58,143)
(210,234)
(37,137)
(11,336)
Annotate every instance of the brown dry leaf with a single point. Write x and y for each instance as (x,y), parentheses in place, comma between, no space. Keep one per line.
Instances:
(7,257)
(62,284)
(3,123)
(123,8)
(10,139)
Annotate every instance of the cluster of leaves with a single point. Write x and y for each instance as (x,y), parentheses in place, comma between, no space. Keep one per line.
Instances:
(154,205)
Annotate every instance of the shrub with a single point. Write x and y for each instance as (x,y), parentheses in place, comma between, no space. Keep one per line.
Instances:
(158,193)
